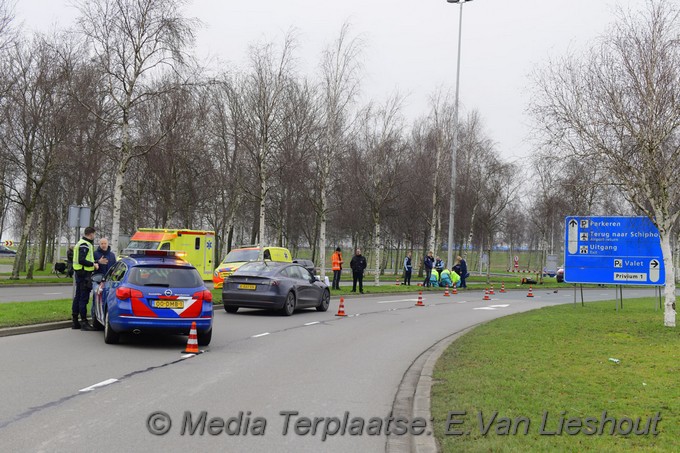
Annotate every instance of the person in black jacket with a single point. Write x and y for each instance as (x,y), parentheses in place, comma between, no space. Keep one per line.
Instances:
(358,264)
(463,270)
(429,264)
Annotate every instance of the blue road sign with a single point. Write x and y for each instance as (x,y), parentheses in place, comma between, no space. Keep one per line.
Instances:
(613,250)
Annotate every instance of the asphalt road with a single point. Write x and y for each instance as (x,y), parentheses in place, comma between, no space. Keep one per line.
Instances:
(259,363)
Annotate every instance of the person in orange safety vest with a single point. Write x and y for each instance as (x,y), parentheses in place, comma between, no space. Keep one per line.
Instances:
(336,261)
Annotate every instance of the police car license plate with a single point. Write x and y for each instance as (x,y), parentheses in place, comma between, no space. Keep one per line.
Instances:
(168,304)
(246,286)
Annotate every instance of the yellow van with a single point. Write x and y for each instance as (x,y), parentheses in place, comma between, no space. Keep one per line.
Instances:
(238,257)
(198,245)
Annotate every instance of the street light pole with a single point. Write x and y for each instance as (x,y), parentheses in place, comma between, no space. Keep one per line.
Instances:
(454,145)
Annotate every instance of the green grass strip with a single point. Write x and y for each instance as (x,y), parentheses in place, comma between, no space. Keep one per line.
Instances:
(14,314)
(556,360)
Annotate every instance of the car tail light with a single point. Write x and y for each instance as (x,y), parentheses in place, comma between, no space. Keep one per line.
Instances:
(274,282)
(124,293)
(203,295)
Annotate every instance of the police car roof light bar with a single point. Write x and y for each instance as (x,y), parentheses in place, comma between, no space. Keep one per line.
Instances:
(147,252)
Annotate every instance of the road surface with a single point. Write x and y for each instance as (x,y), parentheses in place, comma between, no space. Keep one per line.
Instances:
(68,391)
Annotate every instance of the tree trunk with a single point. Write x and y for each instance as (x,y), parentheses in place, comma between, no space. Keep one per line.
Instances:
(230,238)
(322,232)
(43,239)
(263,203)
(23,245)
(376,221)
(117,203)
(34,249)
(669,289)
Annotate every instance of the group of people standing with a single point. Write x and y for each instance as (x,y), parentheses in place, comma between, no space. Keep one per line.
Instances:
(436,267)
(89,266)
(458,272)
(358,265)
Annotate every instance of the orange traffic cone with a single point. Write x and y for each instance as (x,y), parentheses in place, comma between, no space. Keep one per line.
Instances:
(530,293)
(341,308)
(398,282)
(192,343)
(491,291)
(446,293)
(486,294)
(420,299)
(454,290)
(502,287)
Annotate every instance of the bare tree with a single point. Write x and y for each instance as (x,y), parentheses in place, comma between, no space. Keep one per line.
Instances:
(339,87)
(264,97)
(132,41)
(440,122)
(36,123)
(378,157)
(619,105)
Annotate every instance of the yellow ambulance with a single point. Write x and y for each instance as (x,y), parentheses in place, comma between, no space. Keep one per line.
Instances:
(198,246)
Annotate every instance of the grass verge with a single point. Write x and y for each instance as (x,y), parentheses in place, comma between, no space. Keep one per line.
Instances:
(13,314)
(556,360)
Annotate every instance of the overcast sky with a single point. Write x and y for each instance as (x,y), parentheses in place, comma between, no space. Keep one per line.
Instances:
(410,46)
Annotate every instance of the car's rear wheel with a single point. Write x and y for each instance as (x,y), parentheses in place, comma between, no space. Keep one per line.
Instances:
(230,309)
(204,338)
(325,301)
(110,336)
(289,305)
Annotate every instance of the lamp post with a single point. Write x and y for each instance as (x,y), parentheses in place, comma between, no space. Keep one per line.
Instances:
(454,145)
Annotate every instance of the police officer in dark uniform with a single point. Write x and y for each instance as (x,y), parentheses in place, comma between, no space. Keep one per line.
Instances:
(83,265)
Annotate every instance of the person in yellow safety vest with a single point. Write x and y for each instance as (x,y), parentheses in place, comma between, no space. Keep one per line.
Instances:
(83,266)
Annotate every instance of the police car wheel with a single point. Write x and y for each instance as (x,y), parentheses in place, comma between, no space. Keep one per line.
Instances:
(204,338)
(325,301)
(110,337)
(289,304)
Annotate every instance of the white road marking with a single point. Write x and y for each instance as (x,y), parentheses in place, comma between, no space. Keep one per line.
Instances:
(399,300)
(100,384)
(186,356)
(260,335)
(483,308)
(51,294)
(311,323)
(499,306)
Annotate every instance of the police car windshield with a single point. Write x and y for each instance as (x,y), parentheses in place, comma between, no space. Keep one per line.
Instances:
(142,245)
(166,276)
(236,256)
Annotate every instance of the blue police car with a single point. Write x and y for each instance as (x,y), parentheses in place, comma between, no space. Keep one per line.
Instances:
(152,291)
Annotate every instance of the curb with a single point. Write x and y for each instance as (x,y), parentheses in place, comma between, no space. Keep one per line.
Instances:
(413,398)
(33,328)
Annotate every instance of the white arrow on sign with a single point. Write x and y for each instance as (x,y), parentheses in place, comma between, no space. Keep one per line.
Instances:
(572,236)
(654,271)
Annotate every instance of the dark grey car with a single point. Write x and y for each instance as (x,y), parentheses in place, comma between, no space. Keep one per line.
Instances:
(7,252)
(274,285)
